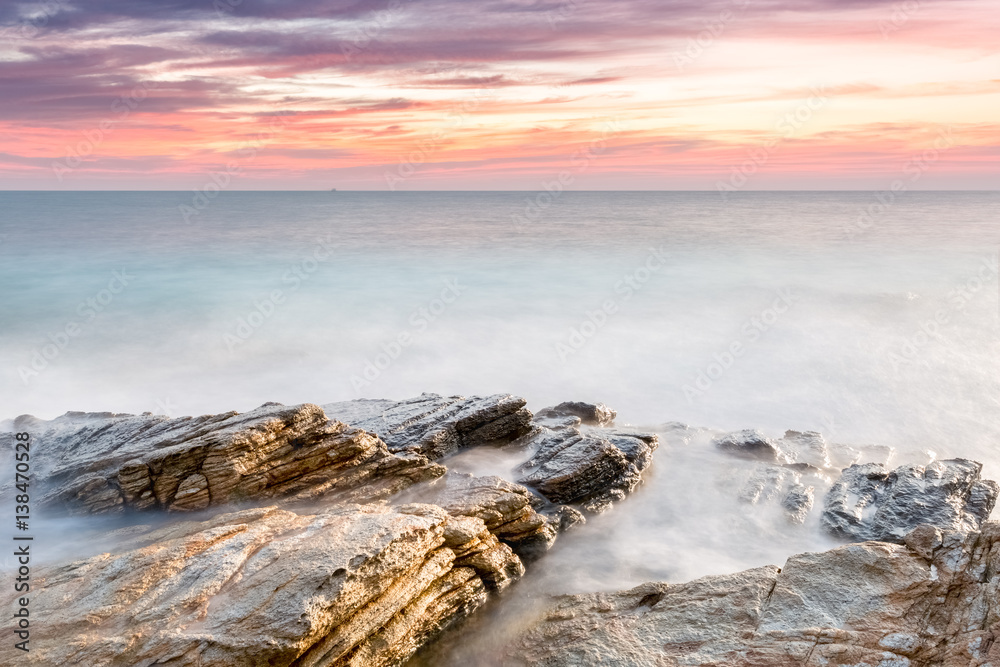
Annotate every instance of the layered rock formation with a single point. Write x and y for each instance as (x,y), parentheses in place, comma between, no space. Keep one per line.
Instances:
(355,584)
(577,464)
(363,576)
(504,508)
(105,463)
(361,585)
(436,426)
(934,602)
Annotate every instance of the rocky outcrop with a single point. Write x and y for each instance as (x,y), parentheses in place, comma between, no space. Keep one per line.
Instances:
(435,426)
(592,467)
(108,463)
(871,502)
(799,450)
(505,509)
(571,463)
(361,586)
(933,602)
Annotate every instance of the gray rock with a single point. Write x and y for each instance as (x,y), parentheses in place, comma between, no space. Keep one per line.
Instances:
(798,503)
(593,467)
(807,447)
(872,604)
(750,444)
(436,426)
(588,413)
(870,502)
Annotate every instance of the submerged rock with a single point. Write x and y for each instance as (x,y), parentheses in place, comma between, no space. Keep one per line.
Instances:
(750,444)
(861,604)
(871,502)
(588,413)
(359,586)
(100,462)
(436,426)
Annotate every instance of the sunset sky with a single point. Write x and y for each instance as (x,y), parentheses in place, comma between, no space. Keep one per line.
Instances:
(507,94)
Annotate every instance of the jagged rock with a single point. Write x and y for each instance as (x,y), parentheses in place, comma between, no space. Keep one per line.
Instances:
(798,502)
(102,462)
(870,502)
(565,517)
(750,444)
(767,482)
(808,448)
(805,451)
(593,467)
(436,426)
(361,586)
(505,508)
(874,604)
(588,413)
(476,547)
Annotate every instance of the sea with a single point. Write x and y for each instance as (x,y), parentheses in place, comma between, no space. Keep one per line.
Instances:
(872,318)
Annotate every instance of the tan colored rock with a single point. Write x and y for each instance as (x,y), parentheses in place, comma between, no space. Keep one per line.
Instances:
(936,604)
(107,463)
(505,509)
(361,586)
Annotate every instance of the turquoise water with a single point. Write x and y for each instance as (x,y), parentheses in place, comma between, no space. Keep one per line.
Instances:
(771,310)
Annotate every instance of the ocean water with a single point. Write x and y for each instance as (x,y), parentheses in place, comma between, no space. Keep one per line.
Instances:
(867,320)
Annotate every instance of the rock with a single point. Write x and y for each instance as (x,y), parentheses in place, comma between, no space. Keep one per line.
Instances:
(476,547)
(506,510)
(565,517)
(436,426)
(750,444)
(588,413)
(807,447)
(593,467)
(102,462)
(798,502)
(874,603)
(360,586)
(870,502)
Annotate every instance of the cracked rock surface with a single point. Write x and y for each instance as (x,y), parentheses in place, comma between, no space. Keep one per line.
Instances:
(102,462)
(932,602)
